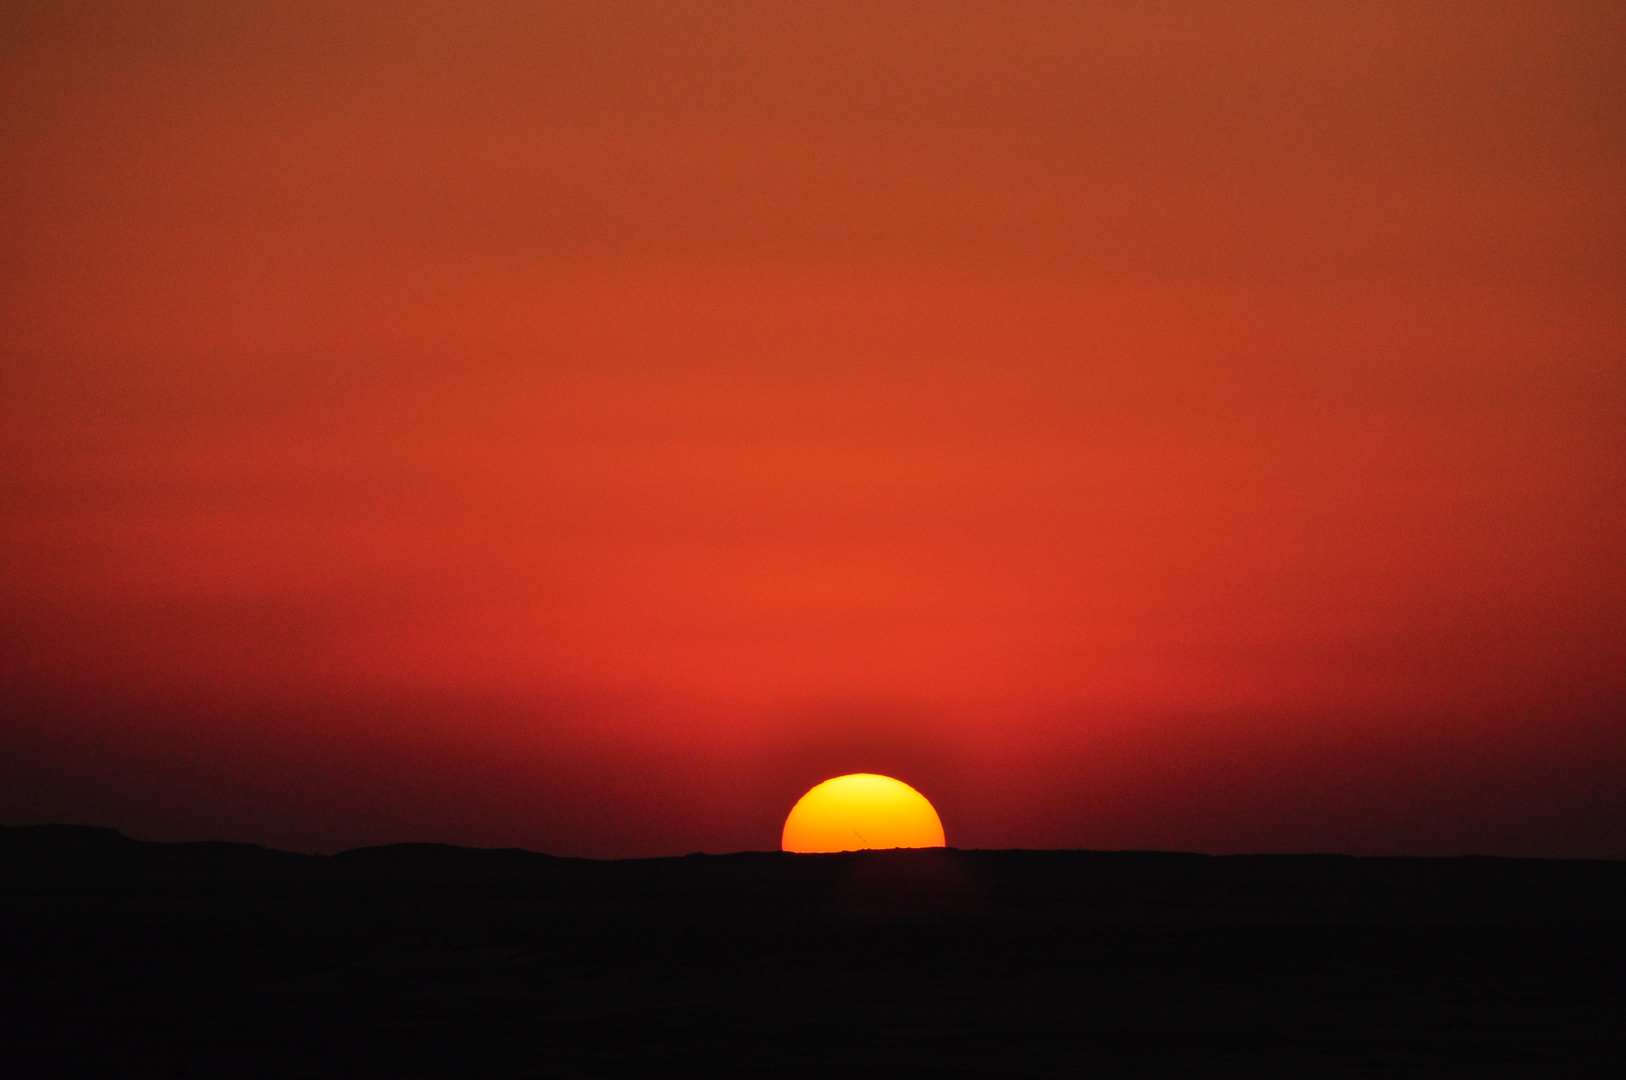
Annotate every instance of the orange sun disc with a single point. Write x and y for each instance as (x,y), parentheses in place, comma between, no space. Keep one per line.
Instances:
(861,810)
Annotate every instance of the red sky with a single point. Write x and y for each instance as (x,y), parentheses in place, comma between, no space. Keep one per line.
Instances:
(586,427)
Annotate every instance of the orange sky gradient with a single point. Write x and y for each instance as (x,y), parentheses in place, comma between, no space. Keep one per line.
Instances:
(1187,426)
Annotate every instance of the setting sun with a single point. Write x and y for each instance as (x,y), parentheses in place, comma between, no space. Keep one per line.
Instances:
(861,810)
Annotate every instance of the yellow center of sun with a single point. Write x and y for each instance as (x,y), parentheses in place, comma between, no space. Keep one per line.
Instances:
(858,811)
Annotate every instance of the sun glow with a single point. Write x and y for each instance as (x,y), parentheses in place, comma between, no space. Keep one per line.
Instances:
(861,810)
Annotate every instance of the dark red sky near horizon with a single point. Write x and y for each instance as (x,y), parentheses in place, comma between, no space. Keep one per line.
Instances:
(1190,426)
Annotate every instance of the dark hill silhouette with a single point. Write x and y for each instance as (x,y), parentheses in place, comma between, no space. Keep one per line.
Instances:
(127,957)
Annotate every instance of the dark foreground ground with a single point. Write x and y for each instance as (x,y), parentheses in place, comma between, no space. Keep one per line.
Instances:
(124,958)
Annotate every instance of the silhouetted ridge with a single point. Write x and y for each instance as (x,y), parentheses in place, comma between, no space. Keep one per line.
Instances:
(1138,885)
(87,857)
(124,957)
